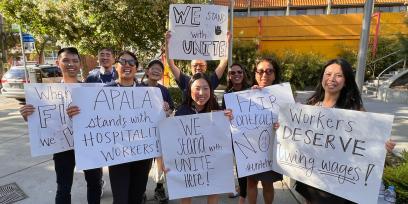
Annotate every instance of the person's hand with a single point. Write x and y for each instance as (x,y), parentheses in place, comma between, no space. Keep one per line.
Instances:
(229,37)
(166,106)
(167,37)
(228,114)
(256,87)
(167,109)
(276,125)
(390,145)
(72,111)
(26,111)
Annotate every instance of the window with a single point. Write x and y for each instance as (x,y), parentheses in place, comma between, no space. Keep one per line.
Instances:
(351,10)
(301,12)
(276,13)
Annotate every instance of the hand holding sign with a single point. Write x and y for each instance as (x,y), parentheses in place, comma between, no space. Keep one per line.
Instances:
(198,31)
(343,148)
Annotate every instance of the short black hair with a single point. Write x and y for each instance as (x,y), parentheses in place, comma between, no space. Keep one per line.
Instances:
(107,49)
(69,50)
(156,61)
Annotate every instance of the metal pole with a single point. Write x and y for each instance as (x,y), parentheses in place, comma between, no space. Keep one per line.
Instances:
(364,37)
(23,53)
(231,31)
(329,4)
(2,46)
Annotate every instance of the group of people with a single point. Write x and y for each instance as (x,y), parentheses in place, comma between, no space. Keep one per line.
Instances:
(336,89)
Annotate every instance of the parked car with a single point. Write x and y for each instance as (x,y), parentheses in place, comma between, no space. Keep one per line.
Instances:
(14,79)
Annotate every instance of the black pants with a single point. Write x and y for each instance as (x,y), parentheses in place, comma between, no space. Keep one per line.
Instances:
(129,180)
(64,168)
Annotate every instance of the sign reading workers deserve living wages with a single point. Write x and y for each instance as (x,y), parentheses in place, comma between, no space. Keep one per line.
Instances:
(116,125)
(254,112)
(49,127)
(198,31)
(336,150)
(198,153)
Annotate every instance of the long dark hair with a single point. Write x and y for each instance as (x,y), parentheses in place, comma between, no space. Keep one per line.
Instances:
(350,97)
(244,82)
(275,67)
(212,101)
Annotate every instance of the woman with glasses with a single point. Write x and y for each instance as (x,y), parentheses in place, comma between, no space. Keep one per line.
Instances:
(336,89)
(128,180)
(267,72)
(237,81)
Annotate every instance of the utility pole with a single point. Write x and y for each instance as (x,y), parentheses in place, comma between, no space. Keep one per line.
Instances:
(23,54)
(231,31)
(2,52)
(364,37)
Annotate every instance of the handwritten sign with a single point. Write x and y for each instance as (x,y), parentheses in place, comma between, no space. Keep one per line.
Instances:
(197,150)
(49,127)
(116,125)
(254,112)
(198,31)
(339,151)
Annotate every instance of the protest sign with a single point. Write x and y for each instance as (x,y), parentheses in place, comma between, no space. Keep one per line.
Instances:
(198,31)
(336,150)
(197,150)
(116,125)
(49,127)
(254,112)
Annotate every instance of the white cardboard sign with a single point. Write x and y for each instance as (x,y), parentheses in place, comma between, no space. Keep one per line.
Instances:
(49,127)
(116,125)
(254,112)
(197,150)
(198,31)
(336,150)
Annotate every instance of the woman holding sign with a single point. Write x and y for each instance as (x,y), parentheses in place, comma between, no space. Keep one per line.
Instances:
(199,98)
(336,89)
(237,81)
(128,180)
(267,72)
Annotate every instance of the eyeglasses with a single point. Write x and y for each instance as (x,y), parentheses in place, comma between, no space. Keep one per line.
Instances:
(235,72)
(266,71)
(130,62)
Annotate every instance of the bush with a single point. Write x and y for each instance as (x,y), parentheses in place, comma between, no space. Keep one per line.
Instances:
(302,70)
(396,174)
(176,95)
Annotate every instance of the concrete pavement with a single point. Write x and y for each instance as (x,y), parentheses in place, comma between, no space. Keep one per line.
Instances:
(36,177)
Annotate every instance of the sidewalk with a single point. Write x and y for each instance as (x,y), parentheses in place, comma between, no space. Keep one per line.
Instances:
(36,177)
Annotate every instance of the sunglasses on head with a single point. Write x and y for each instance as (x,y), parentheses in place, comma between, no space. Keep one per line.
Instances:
(266,71)
(235,72)
(130,62)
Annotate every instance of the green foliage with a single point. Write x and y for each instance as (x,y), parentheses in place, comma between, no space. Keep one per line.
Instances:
(302,70)
(397,175)
(176,95)
(385,46)
(89,25)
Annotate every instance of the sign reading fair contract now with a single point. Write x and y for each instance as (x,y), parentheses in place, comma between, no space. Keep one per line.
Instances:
(116,125)
(49,127)
(338,151)
(254,112)
(198,32)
